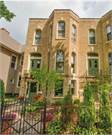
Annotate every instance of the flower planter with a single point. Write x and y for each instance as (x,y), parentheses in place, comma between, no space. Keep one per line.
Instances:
(5,126)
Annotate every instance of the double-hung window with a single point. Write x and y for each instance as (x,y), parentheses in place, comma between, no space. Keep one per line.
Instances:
(61,30)
(91,37)
(73,33)
(38,37)
(13,62)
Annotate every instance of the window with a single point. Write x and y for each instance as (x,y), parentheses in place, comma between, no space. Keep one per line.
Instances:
(38,37)
(109,33)
(59,88)
(92,54)
(11,80)
(35,61)
(91,37)
(50,33)
(73,63)
(19,80)
(73,33)
(61,30)
(60,61)
(13,62)
(21,61)
(73,87)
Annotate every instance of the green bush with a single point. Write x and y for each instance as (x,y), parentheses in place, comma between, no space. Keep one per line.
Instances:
(77,101)
(40,102)
(58,102)
(104,111)
(2,88)
(87,114)
(48,102)
(67,108)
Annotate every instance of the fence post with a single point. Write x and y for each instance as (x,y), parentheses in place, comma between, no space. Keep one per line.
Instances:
(44,122)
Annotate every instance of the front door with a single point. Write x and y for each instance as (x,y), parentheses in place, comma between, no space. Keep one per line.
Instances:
(33,90)
(34,64)
(93,69)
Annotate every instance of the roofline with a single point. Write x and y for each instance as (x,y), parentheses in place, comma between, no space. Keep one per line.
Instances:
(106,13)
(39,18)
(9,48)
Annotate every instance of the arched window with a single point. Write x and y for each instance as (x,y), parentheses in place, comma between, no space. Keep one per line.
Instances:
(35,61)
(91,37)
(38,37)
(73,63)
(109,33)
(61,30)
(60,61)
(73,33)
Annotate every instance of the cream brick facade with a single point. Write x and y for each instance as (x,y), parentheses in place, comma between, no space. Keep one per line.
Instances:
(80,47)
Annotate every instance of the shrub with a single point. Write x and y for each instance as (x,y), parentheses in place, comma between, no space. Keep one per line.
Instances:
(49,117)
(67,108)
(77,101)
(36,97)
(104,111)
(40,102)
(87,114)
(48,102)
(2,88)
(58,102)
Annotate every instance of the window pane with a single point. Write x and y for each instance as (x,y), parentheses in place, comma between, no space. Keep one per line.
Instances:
(61,26)
(92,40)
(108,36)
(36,55)
(96,63)
(37,40)
(91,33)
(12,65)
(19,81)
(32,64)
(73,29)
(110,59)
(61,33)
(92,54)
(33,87)
(73,87)
(13,58)
(38,64)
(59,66)
(108,29)
(60,56)
(38,33)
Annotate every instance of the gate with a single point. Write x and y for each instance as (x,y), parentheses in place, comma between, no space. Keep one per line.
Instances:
(21,117)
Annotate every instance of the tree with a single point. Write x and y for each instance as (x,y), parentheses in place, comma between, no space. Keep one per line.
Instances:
(47,80)
(87,111)
(2,88)
(5,13)
(105,111)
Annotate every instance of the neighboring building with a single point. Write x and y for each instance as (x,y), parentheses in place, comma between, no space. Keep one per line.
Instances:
(79,46)
(11,61)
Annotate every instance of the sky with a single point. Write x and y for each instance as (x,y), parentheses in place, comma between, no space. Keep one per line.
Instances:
(43,8)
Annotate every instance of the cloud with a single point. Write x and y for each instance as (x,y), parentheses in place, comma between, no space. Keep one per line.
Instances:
(42,9)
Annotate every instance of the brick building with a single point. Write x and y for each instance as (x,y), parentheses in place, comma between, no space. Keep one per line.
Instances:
(80,47)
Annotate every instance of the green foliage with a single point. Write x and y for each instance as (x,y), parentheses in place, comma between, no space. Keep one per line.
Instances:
(46,79)
(77,101)
(5,13)
(67,108)
(12,99)
(40,102)
(58,102)
(104,111)
(2,88)
(87,113)
(48,102)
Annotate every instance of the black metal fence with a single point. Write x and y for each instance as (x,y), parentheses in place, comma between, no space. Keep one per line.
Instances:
(21,117)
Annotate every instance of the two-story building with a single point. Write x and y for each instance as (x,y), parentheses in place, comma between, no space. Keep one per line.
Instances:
(80,47)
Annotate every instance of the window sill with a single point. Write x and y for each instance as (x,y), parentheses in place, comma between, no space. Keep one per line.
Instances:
(75,41)
(60,38)
(109,41)
(12,68)
(92,44)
